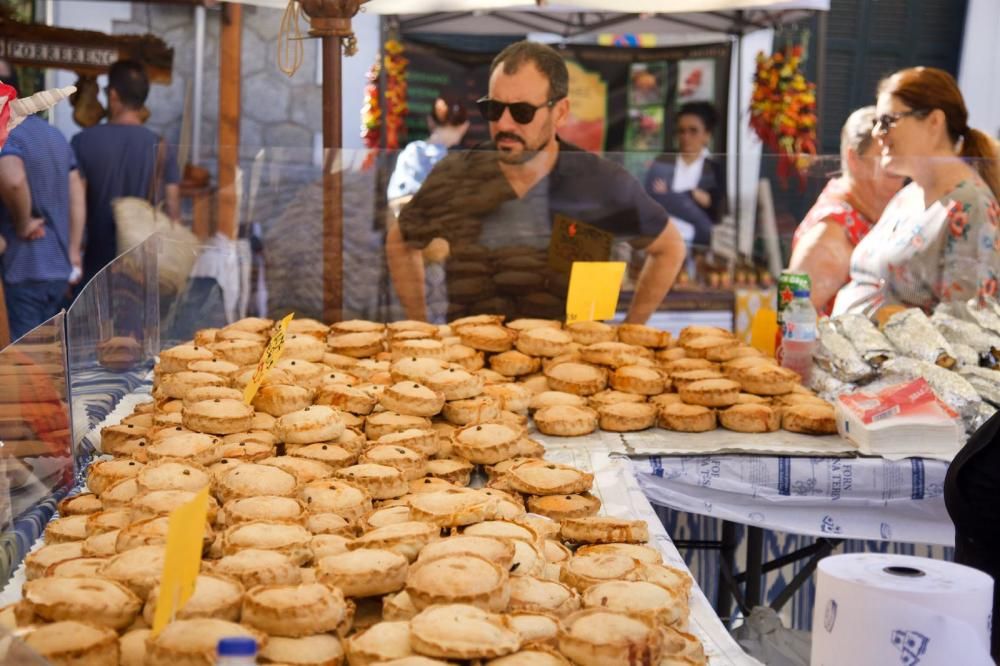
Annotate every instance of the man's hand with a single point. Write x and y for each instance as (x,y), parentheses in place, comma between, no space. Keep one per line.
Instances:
(701,197)
(660,186)
(33,229)
(76,261)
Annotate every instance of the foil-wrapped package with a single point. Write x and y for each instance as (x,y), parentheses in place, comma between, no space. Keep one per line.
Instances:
(826,385)
(959,331)
(965,356)
(913,334)
(985,381)
(986,315)
(835,354)
(952,388)
(870,342)
(984,413)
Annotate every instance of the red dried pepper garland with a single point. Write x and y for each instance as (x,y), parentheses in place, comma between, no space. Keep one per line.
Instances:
(395,99)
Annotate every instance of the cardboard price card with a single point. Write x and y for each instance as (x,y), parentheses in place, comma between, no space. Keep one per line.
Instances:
(271,355)
(185,534)
(593,290)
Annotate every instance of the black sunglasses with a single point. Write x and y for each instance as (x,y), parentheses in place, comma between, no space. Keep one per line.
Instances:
(522,112)
(887,121)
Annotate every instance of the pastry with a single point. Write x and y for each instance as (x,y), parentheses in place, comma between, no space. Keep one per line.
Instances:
(566,421)
(336,496)
(280,399)
(591,332)
(410,464)
(113,437)
(643,336)
(176,359)
(382,423)
(406,538)
(465,579)
(554,398)
(639,552)
(686,364)
(149,532)
(576,378)
(691,332)
(708,345)
(302,347)
(251,479)
(328,544)
(480,409)
(383,517)
(596,637)
(362,344)
(687,418)
(603,529)
(710,392)
(309,425)
(398,607)
(254,566)
(638,379)
(664,399)
(547,342)
(459,631)
(364,572)
(211,392)
(452,507)
(303,469)
(79,567)
(379,644)
(249,446)
(333,456)
(262,507)
(220,416)
(750,418)
(260,325)
(294,611)
(731,368)
(162,502)
(751,399)
(637,598)
(99,601)
(535,628)
(139,569)
(194,642)
(546,478)
(682,379)
(132,646)
(515,363)
(80,504)
(560,507)
(465,357)
(412,398)
(627,416)
(215,596)
(200,448)
(582,571)
(72,642)
(767,379)
(423,441)
(103,545)
(487,337)
(809,419)
(379,481)
(120,494)
(615,354)
(102,474)
(289,538)
(303,371)
(416,369)
(455,384)
(328,523)
(422,347)
(613,397)
(356,326)
(176,385)
(485,444)
(533,594)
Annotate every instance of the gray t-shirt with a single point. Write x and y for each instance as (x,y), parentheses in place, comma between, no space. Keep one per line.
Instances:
(525,221)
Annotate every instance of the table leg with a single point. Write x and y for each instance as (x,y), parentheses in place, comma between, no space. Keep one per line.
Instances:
(755,563)
(727,569)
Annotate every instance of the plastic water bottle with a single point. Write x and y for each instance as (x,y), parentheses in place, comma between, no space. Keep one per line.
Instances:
(798,335)
(236,651)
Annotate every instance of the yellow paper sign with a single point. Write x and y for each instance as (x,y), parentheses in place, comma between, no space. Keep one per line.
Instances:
(593,290)
(763,330)
(185,532)
(267,360)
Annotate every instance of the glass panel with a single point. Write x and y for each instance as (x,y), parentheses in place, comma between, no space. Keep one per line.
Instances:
(35,449)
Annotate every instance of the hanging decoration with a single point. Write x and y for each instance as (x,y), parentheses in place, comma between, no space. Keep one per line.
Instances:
(395,99)
(783,111)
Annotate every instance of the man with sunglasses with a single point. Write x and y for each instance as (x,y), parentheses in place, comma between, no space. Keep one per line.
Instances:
(519,209)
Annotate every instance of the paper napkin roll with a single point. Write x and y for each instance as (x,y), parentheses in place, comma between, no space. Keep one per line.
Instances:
(881,610)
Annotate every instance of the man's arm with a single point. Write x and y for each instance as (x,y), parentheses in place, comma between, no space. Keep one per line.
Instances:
(406,267)
(173,202)
(77,217)
(664,258)
(16,197)
(824,253)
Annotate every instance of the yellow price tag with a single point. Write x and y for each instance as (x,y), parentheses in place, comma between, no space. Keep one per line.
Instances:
(593,290)
(185,532)
(267,360)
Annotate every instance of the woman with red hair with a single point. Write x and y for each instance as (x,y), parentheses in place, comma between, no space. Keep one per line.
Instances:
(937,240)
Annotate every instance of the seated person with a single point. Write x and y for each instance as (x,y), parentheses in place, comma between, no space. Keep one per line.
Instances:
(516,214)
(844,213)
(937,240)
(691,186)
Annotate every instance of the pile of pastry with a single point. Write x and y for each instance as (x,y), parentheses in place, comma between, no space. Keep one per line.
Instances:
(341,526)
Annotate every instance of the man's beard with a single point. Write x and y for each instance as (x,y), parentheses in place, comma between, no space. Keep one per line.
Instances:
(527,153)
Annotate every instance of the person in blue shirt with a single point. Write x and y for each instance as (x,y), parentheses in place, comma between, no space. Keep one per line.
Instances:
(41,220)
(121,158)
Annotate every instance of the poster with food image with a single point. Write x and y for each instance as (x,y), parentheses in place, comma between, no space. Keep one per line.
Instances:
(588,111)
(695,81)
(645,129)
(647,83)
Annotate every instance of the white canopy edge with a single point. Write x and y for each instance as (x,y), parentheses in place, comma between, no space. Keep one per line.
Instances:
(404,7)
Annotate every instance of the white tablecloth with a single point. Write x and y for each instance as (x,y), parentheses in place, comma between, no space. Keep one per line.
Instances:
(851,498)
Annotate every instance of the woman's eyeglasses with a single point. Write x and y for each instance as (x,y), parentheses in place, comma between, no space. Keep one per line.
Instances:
(887,121)
(522,112)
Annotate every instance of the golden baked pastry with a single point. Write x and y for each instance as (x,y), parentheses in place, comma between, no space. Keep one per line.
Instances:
(220,416)
(616,354)
(381,643)
(212,392)
(361,344)
(486,443)
(639,552)
(72,642)
(115,436)
(668,577)
(80,504)
(751,399)
(750,418)
(289,538)
(810,419)
(398,607)
(704,346)
(384,516)
(541,477)
(102,474)
(637,598)
(303,469)
(215,596)
(638,379)
(406,538)
(197,447)
(514,363)
(687,418)
(412,398)
(316,650)
(251,479)
(796,398)
(80,567)
(132,646)
(576,378)
(416,369)
(566,420)
(596,637)
(682,379)
(318,423)
(162,502)
(731,368)
(465,357)
(458,631)
(149,532)
(627,416)
(481,409)
(452,507)
(422,440)
(177,385)
(176,359)
(687,364)
(102,545)
(710,392)
(487,337)
(536,628)
(249,446)
(336,496)
(534,594)
(139,569)
(554,398)
(262,507)
(120,494)
(328,523)
(255,566)
(455,384)
(457,472)
(356,326)
(643,336)
(613,397)
(379,481)
(382,423)
(99,601)
(465,579)
(543,341)
(690,332)
(603,529)
(492,549)
(421,347)
(364,572)
(303,347)
(591,332)
(767,379)
(294,611)
(194,641)
(280,399)
(333,456)
(105,521)
(561,507)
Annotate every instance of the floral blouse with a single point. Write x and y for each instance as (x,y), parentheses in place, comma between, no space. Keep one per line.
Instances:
(917,256)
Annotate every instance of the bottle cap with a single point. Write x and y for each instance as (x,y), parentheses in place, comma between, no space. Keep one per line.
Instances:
(237,646)
(801,293)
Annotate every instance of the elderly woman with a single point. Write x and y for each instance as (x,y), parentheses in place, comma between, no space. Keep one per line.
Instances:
(844,213)
(937,240)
